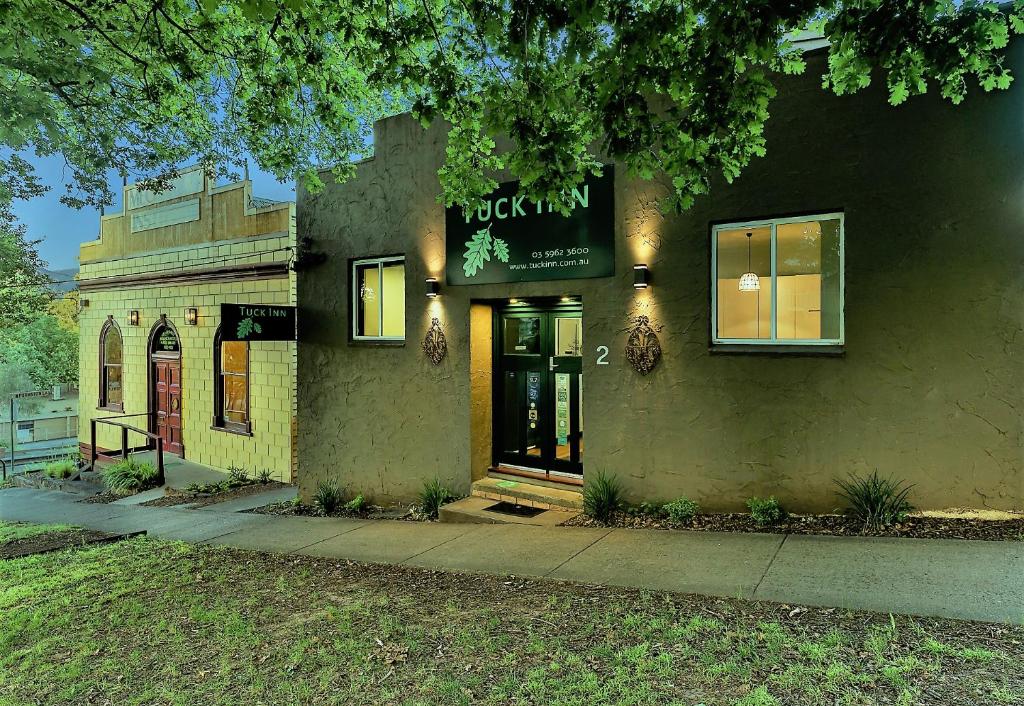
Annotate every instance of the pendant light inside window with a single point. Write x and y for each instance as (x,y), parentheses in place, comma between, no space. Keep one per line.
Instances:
(749,281)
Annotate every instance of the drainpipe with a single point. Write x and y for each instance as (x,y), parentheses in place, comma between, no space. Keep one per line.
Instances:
(14,406)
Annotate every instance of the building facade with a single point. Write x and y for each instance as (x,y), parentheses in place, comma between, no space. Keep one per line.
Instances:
(852,303)
(155,352)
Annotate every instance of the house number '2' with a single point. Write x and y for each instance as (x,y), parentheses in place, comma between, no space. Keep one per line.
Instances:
(602,355)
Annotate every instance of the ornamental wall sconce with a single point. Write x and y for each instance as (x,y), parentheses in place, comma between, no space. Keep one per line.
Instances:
(192,316)
(133,317)
(643,349)
(433,287)
(641,276)
(435,345)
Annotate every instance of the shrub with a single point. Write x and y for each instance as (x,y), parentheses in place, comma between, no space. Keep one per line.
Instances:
(875,501)
(681,510)
(128,474)
(61,468)
(766,511)
(356,504)
(602,497)
(433,496)
(327,498)
(263,476)
(237,474)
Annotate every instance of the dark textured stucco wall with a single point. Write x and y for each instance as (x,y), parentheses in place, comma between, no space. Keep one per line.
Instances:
(929,388)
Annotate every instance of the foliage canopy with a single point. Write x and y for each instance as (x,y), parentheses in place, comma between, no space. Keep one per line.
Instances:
(683,88)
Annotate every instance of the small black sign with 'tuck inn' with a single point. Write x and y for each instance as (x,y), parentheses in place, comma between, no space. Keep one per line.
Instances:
(257,322)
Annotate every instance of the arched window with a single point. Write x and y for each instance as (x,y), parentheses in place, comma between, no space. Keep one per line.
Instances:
(231,384)
(111,357)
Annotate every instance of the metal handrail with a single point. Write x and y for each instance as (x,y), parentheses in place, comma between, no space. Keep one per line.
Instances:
(125,428)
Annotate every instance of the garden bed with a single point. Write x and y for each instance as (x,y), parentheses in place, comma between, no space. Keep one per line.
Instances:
(212,494)
(291,508)
(915,526)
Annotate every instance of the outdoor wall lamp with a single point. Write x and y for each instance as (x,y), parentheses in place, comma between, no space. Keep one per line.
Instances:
(133,317)
(641,276)
(192,316)
(433,287)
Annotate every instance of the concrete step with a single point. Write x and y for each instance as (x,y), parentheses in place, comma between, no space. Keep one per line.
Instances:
(478,511)
(526,493)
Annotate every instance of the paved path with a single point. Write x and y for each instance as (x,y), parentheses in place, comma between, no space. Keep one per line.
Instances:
(949,578)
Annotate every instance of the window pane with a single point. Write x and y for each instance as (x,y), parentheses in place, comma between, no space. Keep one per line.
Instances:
(808,280)
(368,302)
(113,382)
(569,336)
(233,355)
(522,336)
(234,398)
(746,312)
(510,431)
(393,292)
(112,346)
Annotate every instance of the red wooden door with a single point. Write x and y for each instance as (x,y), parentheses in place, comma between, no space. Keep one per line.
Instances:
(168,403)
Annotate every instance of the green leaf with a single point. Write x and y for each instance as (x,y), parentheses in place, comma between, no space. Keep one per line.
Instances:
(478,252)
(501,249)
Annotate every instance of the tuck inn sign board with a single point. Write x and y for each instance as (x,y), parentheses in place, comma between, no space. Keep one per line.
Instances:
(509,238)
(257,322)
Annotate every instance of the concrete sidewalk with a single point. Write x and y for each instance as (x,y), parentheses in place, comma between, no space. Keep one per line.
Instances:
(948,578)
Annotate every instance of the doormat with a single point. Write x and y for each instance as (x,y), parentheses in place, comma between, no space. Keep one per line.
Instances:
(507,484)
(506,508)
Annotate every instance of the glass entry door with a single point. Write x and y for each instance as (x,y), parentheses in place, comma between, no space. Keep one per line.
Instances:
(538,389)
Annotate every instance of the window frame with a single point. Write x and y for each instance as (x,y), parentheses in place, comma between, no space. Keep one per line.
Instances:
(220,420)
(354,298)
(103,399)
(774,344)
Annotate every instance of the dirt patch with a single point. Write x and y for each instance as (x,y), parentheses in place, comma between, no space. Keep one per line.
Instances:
(917,527)
(53,541)
(202,499)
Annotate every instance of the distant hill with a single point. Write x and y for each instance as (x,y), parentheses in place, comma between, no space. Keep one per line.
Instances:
(65,279)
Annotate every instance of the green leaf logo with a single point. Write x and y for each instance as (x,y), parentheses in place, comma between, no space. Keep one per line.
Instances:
(478,251)
(247,326)
(501,249)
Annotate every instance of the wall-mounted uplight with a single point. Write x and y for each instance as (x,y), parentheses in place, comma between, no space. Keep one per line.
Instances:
(192,316)
(513,301)
(433,287)
(133,317)
(641,277)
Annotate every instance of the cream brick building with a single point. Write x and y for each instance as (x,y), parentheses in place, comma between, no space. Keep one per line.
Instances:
(152,288)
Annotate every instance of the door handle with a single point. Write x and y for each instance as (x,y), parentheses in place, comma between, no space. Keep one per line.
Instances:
(551,363)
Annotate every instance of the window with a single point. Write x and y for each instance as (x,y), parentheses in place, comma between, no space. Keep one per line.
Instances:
(378,299)
(778,282)
(231,385)
(111,378)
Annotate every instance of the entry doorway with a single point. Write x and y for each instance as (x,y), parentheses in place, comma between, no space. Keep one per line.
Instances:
(165,386)
(538,389)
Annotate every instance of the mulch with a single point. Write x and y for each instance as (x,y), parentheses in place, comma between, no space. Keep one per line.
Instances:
(54,541)
(103,498)
(834,525)
(185,497)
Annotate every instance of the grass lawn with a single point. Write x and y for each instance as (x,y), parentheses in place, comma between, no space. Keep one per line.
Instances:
(152,622)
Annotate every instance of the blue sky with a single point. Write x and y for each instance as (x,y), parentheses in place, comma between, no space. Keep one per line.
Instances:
(61,229)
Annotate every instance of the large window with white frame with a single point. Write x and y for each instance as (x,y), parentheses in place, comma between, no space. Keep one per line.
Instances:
(378,299)
(778,282)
